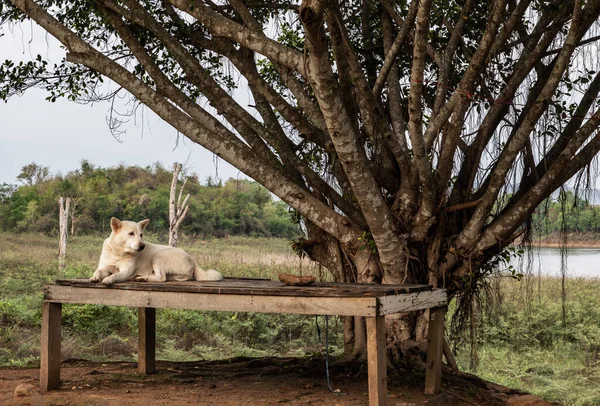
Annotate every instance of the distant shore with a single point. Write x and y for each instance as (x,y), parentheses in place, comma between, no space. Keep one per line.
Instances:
(570,244)
(582,241)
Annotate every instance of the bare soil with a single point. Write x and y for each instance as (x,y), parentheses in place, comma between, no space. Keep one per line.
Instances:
(239,381)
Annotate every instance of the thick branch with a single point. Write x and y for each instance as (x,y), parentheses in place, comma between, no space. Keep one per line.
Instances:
(392,51)
(345,139)
(405,202)
(223,27)
(415,109)
(471,232)
(355,87)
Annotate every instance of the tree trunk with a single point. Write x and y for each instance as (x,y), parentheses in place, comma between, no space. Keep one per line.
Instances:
(72,215)
(63,220)
(407,333)
(177,209)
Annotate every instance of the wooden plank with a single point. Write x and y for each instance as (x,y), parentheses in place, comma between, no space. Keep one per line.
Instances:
(362,306)
(413,301)
(376,353)
(257,287)
(50,346)
(433,374)
(269,288)
(146,340)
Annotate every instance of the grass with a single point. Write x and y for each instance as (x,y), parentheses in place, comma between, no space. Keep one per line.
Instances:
(524,343)
(558,374)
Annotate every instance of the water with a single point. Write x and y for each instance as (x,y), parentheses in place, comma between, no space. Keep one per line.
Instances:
(581,262)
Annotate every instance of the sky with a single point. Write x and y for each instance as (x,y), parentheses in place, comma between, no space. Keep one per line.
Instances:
(60,135)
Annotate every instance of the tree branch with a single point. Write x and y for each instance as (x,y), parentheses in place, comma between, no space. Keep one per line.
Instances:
(449,51)
(223,27)
(405,202)
(471,232)
(415,123)
(528,59)
(345,140)
(392,52)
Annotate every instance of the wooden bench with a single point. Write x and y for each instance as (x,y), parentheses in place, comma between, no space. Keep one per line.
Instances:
(370,301)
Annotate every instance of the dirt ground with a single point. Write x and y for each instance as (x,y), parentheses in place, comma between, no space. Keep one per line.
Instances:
(240,381)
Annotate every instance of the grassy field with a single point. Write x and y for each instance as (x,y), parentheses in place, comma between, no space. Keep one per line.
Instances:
(522,341)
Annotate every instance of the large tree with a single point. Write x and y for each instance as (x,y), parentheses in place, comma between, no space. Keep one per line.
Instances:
(413,138)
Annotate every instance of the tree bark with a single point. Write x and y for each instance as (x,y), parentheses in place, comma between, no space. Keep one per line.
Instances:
(63,220)
(74,219)
(177,209)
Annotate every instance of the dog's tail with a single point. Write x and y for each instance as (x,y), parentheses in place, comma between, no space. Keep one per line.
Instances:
(206,275)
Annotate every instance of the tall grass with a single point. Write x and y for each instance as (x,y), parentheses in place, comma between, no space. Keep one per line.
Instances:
(524,344)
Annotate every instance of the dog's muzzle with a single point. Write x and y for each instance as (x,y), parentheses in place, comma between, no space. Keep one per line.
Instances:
(142,246)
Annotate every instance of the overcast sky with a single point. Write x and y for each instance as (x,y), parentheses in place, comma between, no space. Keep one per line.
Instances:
(61,134)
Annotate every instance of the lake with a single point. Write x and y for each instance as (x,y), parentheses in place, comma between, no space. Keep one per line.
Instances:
(581,262)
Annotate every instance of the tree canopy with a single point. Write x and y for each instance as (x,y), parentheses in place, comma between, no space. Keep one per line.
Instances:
(413,138)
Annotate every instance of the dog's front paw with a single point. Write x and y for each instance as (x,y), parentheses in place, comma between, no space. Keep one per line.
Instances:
(140,278)
(108,281)
(94,279)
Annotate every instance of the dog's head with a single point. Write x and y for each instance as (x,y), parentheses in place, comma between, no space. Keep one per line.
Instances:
(128,234)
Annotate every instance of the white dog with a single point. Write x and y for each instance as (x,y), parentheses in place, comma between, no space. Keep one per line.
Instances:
(125,254)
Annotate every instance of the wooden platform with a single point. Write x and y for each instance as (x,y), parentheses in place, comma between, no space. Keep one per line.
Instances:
(370,301)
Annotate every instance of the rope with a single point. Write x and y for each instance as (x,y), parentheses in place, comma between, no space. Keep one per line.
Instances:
(327,355)
(318,328)
(334,391)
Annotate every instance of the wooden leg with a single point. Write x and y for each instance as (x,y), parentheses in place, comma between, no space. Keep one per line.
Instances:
(50,346)
(433,377)
(376,352)
(146,340)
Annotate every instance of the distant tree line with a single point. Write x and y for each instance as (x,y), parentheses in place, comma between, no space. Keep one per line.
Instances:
(235,207)
(577,212)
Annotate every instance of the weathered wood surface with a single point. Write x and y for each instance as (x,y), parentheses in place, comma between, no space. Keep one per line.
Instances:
(146,340)
(257,287)
(433,372)
(214,301)
(357,304)
(50,347)
(376,355)
(413,301)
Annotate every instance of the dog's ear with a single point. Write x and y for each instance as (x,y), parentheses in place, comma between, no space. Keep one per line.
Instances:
(144,223)
(115,224)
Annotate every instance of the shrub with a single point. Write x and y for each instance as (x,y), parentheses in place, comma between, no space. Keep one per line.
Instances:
(98,321)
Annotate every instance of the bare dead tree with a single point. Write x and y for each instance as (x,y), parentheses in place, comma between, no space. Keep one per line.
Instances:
(73,213)
(63,220)
(178,209)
